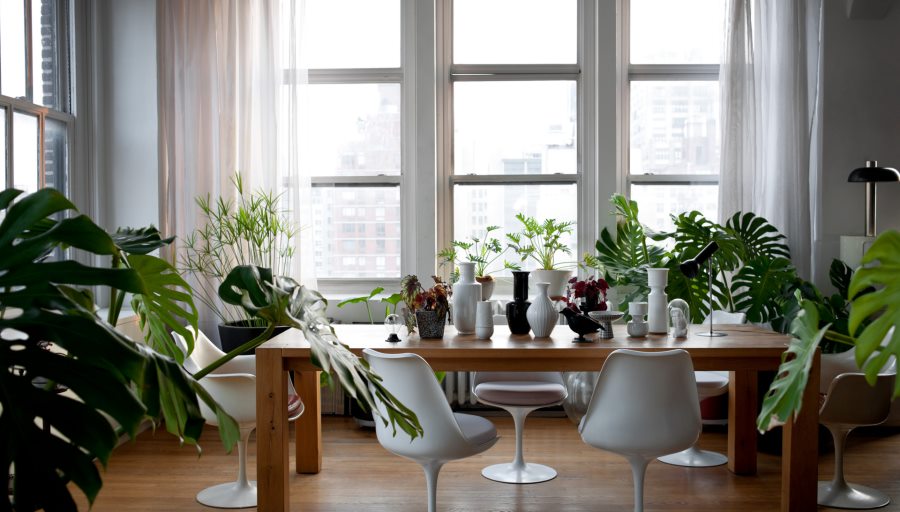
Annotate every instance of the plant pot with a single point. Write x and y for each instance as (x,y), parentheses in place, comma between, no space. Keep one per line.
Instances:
(557,280)
(234,334)
(487,286)
(430,324)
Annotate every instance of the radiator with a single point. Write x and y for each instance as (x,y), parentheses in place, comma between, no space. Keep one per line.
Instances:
(458,388)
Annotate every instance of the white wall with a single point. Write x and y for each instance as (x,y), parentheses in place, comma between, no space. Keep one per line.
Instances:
(127,158)
(860,121)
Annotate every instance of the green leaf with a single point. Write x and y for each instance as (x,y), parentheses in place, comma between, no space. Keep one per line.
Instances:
(140,241)
(785,395)
(758,287)
(362,299)
(164,304)
(880,272)
(758,237)
(840,275)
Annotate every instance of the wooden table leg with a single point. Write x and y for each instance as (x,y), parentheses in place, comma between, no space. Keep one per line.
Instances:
(309,424)
(742,422)
(272,457)
(799,453)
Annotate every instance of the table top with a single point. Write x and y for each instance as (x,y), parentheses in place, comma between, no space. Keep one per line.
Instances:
(741,344)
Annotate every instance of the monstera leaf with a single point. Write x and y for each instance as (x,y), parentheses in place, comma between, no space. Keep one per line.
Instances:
(785,395)
(41,301)
(758,287)
(881,272)
(693,232)
(757,237)
(282,301)
(840,275)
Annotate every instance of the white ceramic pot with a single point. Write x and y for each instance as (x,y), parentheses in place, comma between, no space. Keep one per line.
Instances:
(487,286)
(556,279)
(657,301)
(542,314)
(466,293)
(484,320)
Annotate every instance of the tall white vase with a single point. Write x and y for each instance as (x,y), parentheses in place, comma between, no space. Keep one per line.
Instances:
(466,294)
(658,316)
(542,314)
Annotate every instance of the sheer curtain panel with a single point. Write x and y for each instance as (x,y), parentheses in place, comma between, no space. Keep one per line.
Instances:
(770,137)
(225,106)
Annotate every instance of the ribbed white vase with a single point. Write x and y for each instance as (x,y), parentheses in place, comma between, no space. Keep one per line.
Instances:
(466,294)
(658,302)
(542,314)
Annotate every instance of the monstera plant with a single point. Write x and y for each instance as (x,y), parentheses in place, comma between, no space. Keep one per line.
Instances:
(47,299)
(753,270)
(875,310)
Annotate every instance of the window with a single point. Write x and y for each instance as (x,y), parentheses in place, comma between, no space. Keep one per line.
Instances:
(673,97)
(512,73)
(353,50)
(36,125)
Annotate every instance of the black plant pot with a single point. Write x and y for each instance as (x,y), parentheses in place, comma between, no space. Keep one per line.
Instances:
(234,334)
(430,324)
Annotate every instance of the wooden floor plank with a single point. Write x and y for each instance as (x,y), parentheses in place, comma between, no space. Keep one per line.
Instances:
(156,474)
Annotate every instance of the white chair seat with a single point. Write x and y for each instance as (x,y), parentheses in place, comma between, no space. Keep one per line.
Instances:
(529,393)
(476,429)
(711,383)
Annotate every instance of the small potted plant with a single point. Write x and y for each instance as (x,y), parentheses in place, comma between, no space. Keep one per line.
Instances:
(587,295)
(429,306)
(542,242)
(483,252)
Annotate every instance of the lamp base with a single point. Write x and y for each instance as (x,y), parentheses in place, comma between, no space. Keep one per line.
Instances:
(714,334)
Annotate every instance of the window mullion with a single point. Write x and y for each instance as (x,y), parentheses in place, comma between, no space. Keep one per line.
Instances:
(29,54)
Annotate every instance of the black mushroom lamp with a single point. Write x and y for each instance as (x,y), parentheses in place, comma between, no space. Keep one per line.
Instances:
(870,175)
(691,268)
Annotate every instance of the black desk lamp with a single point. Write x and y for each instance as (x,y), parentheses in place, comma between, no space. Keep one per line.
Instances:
(691,268)
(870,175)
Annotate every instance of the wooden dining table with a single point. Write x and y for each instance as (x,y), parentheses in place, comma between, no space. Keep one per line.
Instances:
(745,351)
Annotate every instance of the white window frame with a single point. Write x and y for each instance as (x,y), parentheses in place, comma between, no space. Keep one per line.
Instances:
(590,90)
(425,179)
(646,73)
(22,105)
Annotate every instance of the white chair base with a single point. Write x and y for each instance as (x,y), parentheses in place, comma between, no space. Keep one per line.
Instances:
(230,495)
(852,496)
(527,473)
(694,457)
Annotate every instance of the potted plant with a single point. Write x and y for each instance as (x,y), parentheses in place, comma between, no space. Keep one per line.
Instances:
(429,306)
(587,295)
(542,242)
(250,230)
(483,252)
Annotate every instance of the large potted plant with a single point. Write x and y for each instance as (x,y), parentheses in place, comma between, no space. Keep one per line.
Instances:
(483,252)
(49,299)
(543,242)
(251,230)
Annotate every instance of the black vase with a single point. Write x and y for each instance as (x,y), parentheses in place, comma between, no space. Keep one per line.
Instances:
(233,335)
(515,310)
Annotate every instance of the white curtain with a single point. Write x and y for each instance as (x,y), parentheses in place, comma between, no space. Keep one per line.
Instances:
(769,82)
(225,106)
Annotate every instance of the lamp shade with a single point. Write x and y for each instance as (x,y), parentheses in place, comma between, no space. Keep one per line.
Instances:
(691,267)
(872,173)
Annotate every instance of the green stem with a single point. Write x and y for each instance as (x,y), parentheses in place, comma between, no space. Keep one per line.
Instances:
(115,298)
(840,338)
(255,342)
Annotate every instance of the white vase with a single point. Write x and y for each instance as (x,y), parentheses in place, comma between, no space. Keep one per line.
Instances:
(466,294)
(658,303)
(557,280)
(484,320)
(542,314)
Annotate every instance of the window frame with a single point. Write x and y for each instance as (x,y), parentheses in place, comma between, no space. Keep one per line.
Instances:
(649,73)
(583,72)
(67,94)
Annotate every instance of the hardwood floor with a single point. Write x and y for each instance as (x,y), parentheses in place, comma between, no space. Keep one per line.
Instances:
(156,474)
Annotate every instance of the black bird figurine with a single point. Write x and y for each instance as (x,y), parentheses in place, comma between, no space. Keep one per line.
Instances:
(581,324)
